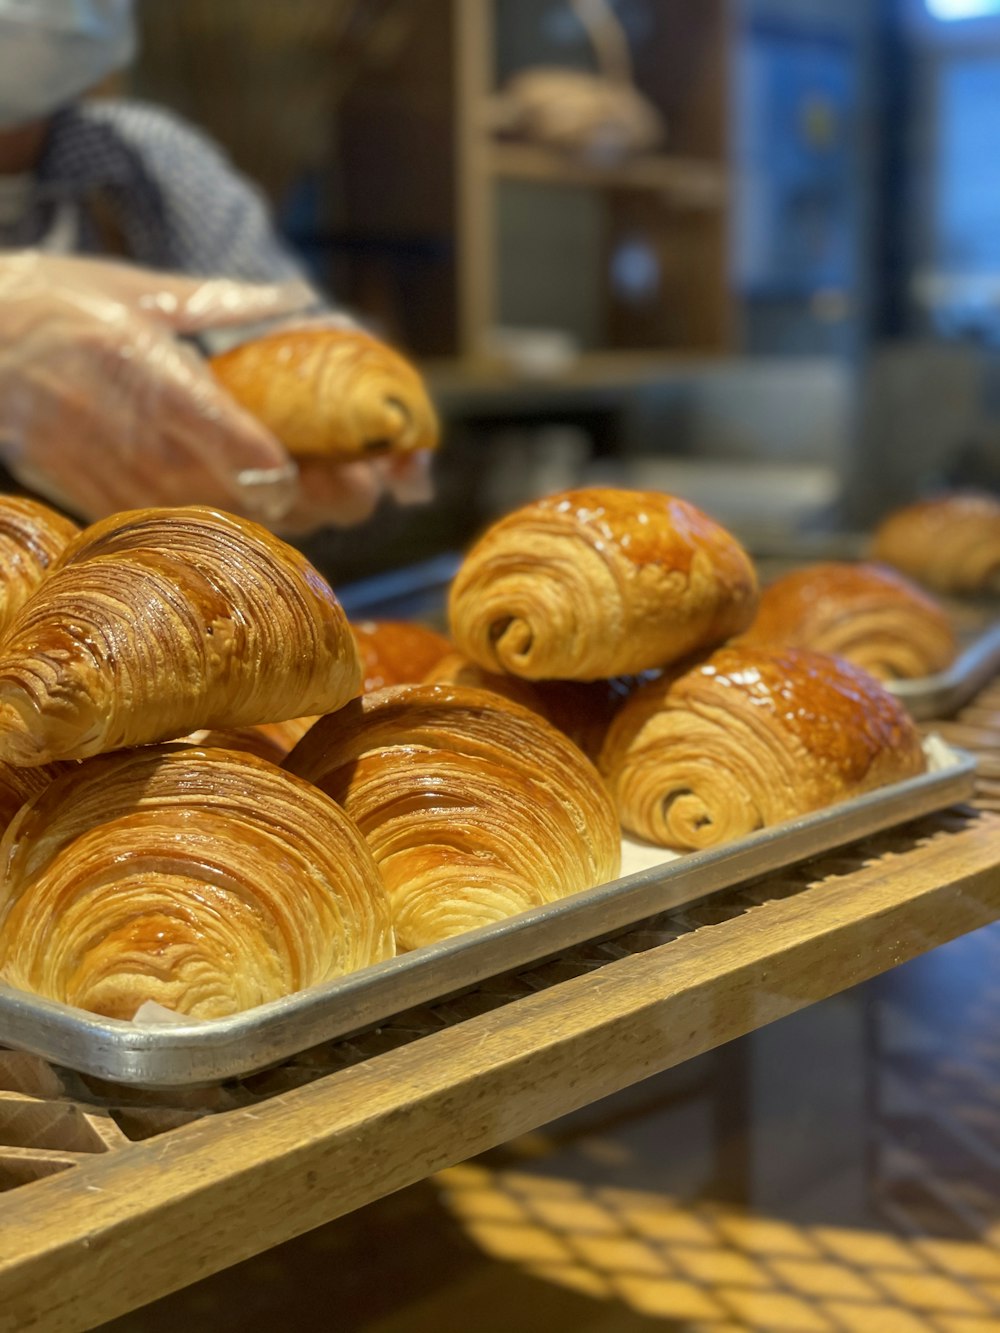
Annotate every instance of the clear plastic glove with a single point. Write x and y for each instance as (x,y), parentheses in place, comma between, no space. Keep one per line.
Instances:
(103,408)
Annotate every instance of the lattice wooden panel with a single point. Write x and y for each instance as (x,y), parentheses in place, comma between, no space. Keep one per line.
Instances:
(52,1119)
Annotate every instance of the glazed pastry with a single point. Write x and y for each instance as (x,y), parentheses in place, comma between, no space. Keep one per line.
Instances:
(951,544)
(581,709)
(748,739)
(32,536)
(592,584)
(159,622)
(397,652)
(20,785)
(269,740)
(206,881)
(474,808)
(335,393)
(873,616)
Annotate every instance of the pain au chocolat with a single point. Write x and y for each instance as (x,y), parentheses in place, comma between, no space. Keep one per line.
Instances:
(591,584)
(750,738)
(159,622)
(203,880)
(475,809)
(334,393)
(951,543)
(581,709)
(871,615)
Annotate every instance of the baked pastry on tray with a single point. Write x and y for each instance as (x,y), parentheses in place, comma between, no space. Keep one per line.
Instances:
(581,709)
(204,880)
(32,537)
(749,738)
(475,809)
(871,615)
(951,544)
(157,622)
(592,584)
(397,652)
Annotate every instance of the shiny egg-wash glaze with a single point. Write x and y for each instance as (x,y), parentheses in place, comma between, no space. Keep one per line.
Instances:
(581,709)
(32,537)
(475,809)
(591,584)
(397,652)
(207,881)
(748,739)
(870,615)
(158,622)
(951,543)
(331,393)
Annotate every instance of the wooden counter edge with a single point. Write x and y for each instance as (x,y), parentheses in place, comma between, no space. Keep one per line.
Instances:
(133,1225)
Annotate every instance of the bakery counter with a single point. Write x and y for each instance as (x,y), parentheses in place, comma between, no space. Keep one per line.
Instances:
(114,1199)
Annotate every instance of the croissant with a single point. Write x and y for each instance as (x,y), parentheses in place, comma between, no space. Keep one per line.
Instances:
(874,617)
(592,584)
(159,622)
(206,881)
(32,536)
(475,809)
(951,544)
(581,709)
(748,739)
(331,392)
(397,652)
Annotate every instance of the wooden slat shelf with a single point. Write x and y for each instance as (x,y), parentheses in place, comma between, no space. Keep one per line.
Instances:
(131,1197)
(687,182)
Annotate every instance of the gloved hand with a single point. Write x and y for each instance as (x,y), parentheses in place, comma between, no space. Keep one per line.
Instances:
(102,408)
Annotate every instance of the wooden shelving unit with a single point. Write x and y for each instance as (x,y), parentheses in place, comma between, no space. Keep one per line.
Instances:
(425,177)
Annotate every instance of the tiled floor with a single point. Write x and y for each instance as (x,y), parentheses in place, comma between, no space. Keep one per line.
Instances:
(839,1171)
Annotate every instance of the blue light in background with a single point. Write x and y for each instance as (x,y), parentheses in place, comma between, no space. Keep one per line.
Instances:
(950,10)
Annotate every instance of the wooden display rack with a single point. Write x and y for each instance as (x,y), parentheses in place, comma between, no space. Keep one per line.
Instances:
(114,1198)
(422,174)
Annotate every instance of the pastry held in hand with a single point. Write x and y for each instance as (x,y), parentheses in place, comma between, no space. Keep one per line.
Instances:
(873,616)
(334,393)
(32,537)
(590,584)
(475,809)
(951,544)
(748,739)
(206,881)
(159,622)
(397,652)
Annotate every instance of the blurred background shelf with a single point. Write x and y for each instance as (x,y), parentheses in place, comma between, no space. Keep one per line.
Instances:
(686,182)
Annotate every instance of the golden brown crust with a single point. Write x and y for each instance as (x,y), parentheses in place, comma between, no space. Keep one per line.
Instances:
(331,393)
(206,881)
(748,739)
(581,709)
(475,808)
(951,544)
(32,537)
(397,652)
(872,616)
(268,740)
(591,584)
(159,622)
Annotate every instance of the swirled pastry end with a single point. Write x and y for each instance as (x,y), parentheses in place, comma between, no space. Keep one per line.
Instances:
(750,738)
(592,584)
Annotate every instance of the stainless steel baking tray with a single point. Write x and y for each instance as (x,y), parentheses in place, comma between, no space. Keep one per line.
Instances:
(183,1053)
(943,695)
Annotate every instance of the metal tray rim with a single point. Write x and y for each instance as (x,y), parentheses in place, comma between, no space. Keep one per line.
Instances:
(210,1051)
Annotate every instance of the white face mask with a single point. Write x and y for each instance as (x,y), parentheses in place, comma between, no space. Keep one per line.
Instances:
(53,50)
